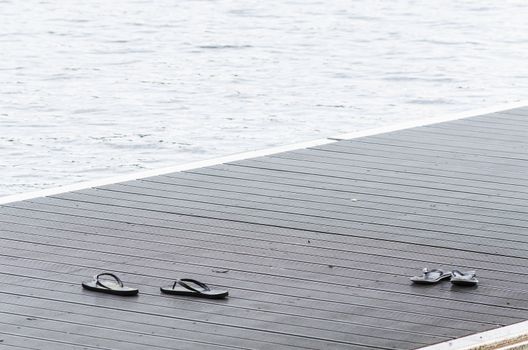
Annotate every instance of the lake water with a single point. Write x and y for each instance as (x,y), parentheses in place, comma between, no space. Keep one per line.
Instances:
(91,89)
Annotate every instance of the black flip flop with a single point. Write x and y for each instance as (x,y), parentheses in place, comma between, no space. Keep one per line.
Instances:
(193,288)
(431,276)
(468,278)
(105,286)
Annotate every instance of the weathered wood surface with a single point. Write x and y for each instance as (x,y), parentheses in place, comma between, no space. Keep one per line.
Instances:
(316,247)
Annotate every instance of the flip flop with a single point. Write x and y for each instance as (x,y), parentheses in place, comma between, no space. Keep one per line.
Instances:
(468,278)
(430,276)
(105,286)
(193,288)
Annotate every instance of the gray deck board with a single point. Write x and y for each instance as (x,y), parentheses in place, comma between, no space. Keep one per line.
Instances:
(315,245)
(522,111)
(389,231)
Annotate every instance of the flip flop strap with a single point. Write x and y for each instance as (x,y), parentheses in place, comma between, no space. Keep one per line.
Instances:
(182,282)
(427,272)
(101,283)
(467,274)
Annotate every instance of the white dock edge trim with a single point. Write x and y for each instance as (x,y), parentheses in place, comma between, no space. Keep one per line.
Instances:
(258,153)
(511,337)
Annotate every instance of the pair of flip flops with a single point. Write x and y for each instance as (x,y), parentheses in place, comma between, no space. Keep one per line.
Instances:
(184,286)
(468,278)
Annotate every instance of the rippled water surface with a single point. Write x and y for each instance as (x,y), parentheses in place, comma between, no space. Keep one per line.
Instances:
(90,89)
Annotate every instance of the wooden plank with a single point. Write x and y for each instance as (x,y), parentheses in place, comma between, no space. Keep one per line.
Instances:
(483,126)
(23,340)
(307,253)
(522,111)
(317,190)
(427,146)
(449,153)
(474,142)
(509,229)
(442,252)
(154,305)
(397,277)
(163,223)
(141,204)
(39,293)
(445,163)
(473,136)
(216,189)
(461,144)
(148,326)
(245,277)
(383,231)
(388,184)
(342,309)
(497,119)
(304,286)
(374,163)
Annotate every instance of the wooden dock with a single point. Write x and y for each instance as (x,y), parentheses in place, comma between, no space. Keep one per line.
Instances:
(316,247)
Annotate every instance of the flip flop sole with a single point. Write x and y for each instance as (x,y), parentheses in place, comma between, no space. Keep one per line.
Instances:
(429,281)
(185,292)
(121,291)
(464,283)
(425,281)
